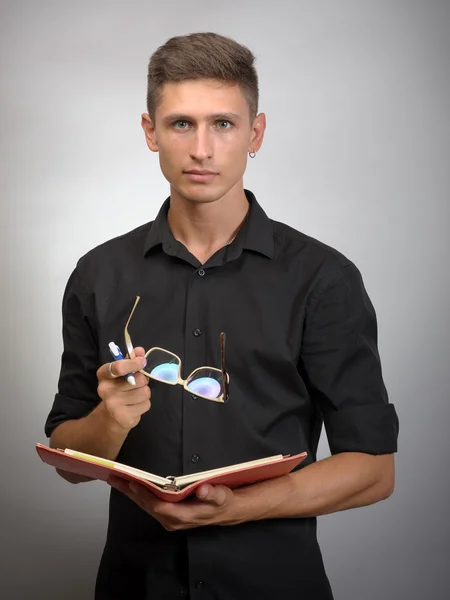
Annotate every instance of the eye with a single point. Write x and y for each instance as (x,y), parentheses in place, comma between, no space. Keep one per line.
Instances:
(222,124)
(181,124)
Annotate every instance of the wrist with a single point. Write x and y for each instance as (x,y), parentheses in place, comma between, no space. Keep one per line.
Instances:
(109,424)
(263,500)
(241,507)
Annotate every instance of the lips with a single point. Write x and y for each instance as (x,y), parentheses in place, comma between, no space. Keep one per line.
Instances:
(197,172)
(200,176)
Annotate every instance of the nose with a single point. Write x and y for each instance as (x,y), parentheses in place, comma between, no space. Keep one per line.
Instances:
(202,148)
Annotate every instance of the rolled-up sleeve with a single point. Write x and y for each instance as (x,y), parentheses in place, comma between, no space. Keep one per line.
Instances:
(341,364)
(77,385)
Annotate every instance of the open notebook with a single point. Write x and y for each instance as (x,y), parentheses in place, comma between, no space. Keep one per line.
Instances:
(170,488)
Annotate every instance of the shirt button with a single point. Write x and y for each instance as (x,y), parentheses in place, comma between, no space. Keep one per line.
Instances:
(200,585)
(194,397)
(195,458)
(197,332)
(202,272)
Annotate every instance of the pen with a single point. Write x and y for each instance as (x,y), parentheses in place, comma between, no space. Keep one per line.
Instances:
(117,355)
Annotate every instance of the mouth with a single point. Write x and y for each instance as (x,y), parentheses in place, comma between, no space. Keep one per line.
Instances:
(200,175)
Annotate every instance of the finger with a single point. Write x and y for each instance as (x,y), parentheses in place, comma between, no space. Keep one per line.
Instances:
(216,495)
(110,370)
(118,484)
(124,488)
(134,492)
(120,384)
(121,485)
(139,351)
(143,496)
(141,381)
(122,399)
(124,386)
(131,410)
(114,388)
(121,367)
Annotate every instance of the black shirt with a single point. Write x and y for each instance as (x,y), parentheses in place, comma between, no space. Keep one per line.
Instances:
(301,351)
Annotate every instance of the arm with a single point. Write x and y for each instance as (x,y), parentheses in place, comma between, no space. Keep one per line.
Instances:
(341,365)
(94,434)
(92,412)
(340,482)
(97,433)
(105,429)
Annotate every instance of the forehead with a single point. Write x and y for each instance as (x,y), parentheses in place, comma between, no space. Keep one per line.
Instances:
(199,96)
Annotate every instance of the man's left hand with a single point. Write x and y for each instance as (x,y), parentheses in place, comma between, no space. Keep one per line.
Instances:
(211,505)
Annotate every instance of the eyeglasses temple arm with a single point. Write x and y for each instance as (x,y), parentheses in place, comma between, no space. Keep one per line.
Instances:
(225,382)
(128,341)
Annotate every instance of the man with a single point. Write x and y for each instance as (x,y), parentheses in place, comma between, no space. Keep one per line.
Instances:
(301,351)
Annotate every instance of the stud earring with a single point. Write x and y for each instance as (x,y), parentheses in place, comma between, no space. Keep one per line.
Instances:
(252,154)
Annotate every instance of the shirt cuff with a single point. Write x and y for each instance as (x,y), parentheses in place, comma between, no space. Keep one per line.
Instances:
(371,429)
(66,408)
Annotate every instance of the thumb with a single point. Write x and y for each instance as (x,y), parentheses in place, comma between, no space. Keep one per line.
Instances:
(139,351)
(216,495)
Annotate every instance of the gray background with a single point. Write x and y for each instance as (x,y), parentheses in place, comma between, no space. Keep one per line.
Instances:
(357,97)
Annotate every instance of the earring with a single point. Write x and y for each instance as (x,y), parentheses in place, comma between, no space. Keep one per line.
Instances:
(252,154)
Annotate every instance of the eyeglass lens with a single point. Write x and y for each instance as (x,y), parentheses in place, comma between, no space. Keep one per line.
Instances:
(165,367)
(166,372)
(206,382)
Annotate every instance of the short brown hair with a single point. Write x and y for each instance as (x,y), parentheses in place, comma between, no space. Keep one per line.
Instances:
(202,56)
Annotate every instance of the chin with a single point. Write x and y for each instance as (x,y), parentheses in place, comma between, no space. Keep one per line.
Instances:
(200,193)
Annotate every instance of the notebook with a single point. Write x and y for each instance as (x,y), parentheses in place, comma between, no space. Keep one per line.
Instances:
(170,488)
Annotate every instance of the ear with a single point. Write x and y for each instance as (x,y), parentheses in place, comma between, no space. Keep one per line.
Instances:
(149,130)
(257,135)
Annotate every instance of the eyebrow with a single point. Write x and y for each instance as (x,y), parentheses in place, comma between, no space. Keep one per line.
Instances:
(223,116)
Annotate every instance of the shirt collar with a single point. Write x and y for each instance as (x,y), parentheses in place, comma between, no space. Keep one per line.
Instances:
(258,230)
(256,234)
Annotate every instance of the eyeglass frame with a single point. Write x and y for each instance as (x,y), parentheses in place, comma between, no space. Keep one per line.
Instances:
(224,396)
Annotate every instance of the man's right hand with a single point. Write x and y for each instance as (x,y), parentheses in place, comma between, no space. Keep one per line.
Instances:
(124,403)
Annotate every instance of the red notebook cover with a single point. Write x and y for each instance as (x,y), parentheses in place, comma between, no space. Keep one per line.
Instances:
(238,478)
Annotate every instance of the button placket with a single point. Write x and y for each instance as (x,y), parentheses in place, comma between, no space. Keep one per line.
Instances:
(194,351)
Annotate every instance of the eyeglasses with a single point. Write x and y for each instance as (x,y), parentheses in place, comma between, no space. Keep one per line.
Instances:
(164,366)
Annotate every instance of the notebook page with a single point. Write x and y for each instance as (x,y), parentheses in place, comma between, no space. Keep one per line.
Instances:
(188,479)
(118,466)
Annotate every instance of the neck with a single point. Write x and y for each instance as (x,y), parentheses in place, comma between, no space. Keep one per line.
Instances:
(205,227)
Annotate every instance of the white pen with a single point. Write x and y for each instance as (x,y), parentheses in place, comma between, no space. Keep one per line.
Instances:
(117,355)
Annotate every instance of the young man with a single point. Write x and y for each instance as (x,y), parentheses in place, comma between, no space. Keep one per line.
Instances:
(301,351)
